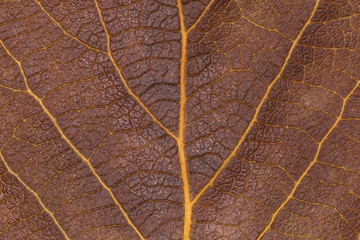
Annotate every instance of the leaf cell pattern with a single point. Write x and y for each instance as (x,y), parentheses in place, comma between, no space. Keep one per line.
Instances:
(180,119)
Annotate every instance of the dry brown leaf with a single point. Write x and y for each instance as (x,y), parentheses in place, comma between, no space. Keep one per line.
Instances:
(180,119)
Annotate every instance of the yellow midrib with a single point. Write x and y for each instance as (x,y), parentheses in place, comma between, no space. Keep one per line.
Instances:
(180,139)
(181,135)
(182,123)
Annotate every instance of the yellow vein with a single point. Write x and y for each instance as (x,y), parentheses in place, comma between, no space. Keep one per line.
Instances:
(267,29)
(332,208)
(200,17)
(233,153)
(182,125)
(311,164)
(115,65)
(108,53)
(86,160)
(12,89)
(36,196)
(65,32)
(260,26)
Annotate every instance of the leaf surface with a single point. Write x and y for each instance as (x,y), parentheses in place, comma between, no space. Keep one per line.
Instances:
(179,119)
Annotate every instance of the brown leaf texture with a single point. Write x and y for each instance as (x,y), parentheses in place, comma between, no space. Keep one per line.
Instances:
(180,119)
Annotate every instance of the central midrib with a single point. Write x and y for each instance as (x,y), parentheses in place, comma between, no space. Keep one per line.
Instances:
(182,123)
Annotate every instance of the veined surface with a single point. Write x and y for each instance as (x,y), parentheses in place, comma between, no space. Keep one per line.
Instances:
(179,119)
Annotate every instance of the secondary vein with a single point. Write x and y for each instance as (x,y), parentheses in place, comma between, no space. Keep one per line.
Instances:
(247,130)
(36,196)
(118,70)
(297,183)
(67,140)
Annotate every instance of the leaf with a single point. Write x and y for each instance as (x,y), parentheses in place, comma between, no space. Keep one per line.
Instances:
(211,119)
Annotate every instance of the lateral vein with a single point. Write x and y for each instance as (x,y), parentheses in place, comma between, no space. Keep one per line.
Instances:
(83,158)
(118,70)
(200,17)
(66,32)
(297,183)
(247,130)
(36,196)
(113,62)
